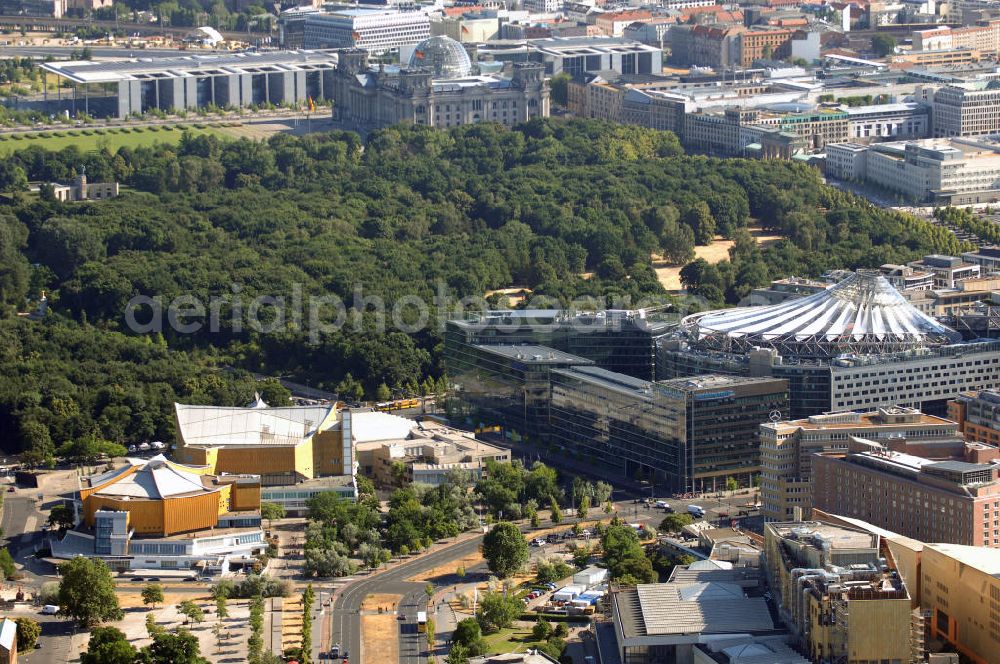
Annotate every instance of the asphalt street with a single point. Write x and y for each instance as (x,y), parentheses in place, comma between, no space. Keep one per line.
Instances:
(346,611)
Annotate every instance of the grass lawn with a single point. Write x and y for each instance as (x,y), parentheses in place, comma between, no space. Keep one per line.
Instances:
(115,139)
(513,639)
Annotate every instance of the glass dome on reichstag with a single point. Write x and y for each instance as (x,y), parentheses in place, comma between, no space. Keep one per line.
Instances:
(444,55)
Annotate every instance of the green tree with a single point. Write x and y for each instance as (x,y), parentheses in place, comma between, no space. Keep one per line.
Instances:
(554,511)
(255,644)
(87,592)
(458,654)
(221,610)
(179,648)
(467,632)
(61,516)
(505,549)
(191,610)
(383,393)
(883,44)
(224,588)
(699,219)
(28,631)
(675,522)
(584,508)
(308,598)
(731,484)
(559,86)
(108,645)
(151,626)
(541,630)
(271,511)
(7,566)
(152,594)
(497,611)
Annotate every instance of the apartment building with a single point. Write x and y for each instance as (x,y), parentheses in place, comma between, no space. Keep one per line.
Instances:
(613,24)
(987,258)
(773,44)
(833,592)
(955,501)
(948,271)
(787,449)
(714,46)
(375,30)
(984,38)
(978,415)
(966,109)
(905,278)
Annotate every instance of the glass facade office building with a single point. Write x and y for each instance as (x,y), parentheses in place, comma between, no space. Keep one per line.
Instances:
(616,340)
(691,433)
(506,385)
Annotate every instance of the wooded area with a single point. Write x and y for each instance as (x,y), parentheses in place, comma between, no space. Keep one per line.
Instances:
(467,210)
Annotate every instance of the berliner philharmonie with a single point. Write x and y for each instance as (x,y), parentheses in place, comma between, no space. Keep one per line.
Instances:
(857,344)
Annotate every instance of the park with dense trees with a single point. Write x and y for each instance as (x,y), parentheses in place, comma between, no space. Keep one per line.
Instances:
(567,209)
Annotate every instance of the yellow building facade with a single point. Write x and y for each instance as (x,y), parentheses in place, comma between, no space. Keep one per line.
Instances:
(163,498)
(281,445)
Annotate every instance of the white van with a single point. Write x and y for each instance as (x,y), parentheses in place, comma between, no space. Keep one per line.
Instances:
(50,610)
(696,511)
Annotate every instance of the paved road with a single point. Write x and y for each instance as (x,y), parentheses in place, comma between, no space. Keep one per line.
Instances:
(346,616)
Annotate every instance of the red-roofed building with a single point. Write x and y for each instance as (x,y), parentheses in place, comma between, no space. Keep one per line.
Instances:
(613,24)
(458,11)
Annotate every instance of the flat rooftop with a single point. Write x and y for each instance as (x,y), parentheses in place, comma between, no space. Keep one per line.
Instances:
(838,537)
(533,354)
(981,558)
(112,71)
(610,380)
(869,420)
(712,381)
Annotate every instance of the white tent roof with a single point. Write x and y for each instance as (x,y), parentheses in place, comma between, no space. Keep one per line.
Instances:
(155,479)
(861,314)
(255,425)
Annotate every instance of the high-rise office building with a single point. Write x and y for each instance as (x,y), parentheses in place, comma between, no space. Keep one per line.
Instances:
(617,340)
(689,434)
(506,385)
(788,448)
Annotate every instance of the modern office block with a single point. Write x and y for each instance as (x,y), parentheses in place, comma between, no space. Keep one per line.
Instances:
(688,434)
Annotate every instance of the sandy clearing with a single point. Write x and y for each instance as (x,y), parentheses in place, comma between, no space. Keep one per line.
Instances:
(379,631)
(387,601)
(670,275)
